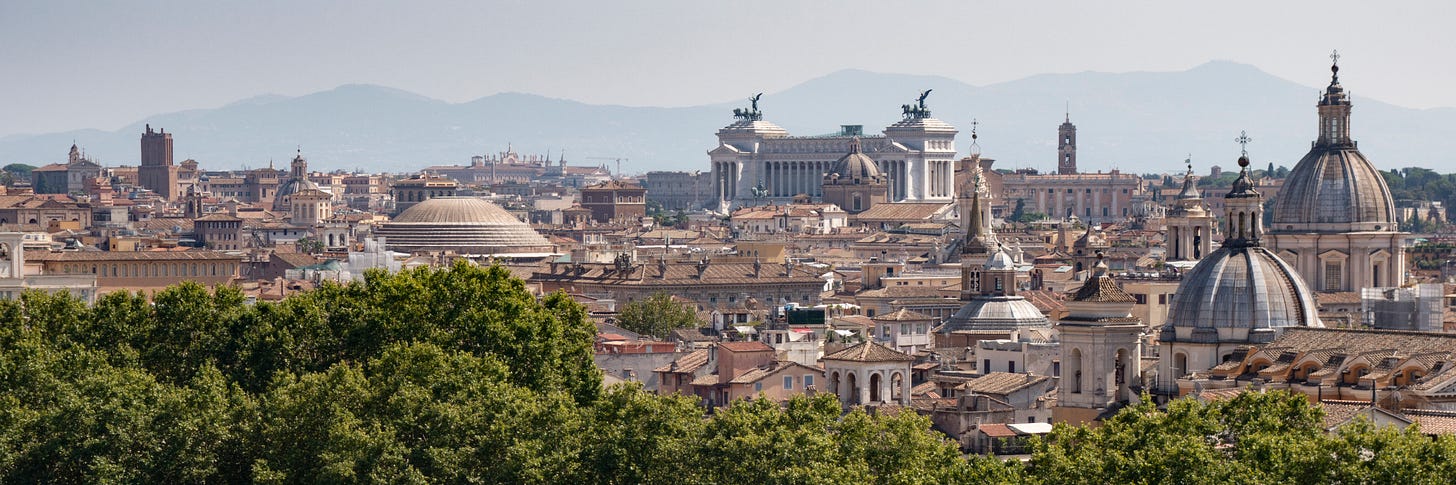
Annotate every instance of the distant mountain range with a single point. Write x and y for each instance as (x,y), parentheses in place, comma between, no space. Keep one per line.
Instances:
(1136,121)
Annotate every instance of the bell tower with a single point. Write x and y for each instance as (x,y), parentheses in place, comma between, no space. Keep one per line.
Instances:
(1101,349)
(1067,146)
(1190,224)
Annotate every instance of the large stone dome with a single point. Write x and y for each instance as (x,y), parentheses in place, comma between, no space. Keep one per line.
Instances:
(465,225)
(854,167)
(1239,294)
(1334,189)
(995,313)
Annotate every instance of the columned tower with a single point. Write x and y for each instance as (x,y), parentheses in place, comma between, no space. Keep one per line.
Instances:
(1190,224)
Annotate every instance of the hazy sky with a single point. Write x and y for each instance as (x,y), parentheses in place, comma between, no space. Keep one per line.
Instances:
(102,64)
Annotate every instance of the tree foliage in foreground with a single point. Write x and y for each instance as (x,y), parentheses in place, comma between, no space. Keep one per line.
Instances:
(461,376)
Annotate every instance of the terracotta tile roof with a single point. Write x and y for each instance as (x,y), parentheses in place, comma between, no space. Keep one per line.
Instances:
(1047,301)
(88,256)
(759,373)
(1337,413)
(1220,394)
(688,363)
(1431,421)
(1337,298)
(901,211)
(926,389)
(164,225)
(705,380)
(1354,342)
(903,315)
(745,346)
(692,334)
(1001,383)
(296,260)
(905,292)
(219,216)
(1102,289)
(858,320)
(996,430)
(870,352)
(678,274)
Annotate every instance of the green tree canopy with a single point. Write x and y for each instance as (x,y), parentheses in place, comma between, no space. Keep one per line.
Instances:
(657,315)
(459,375)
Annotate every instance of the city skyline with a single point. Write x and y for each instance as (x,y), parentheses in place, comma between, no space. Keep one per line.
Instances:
(103,66)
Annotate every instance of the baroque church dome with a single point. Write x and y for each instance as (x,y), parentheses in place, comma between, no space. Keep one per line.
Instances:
(1241,292)
(854,167)
(1334,188)
(997,307)
(297,182)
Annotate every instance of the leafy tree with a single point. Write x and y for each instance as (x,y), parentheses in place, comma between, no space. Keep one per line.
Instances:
(310,245)
(657,315)
(1029,217)
(638,437)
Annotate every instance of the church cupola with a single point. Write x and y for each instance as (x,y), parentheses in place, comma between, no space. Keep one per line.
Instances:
(299,168)
(1243,206)
(1189,224)
(1334,110)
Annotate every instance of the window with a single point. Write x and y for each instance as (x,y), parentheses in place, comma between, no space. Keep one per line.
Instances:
(987,368)
(758,387)
(1056,369)
(788,382)
(1332,276)
(904,329)
(1163,299)
(1010,366)
(808,380)
(1140,298)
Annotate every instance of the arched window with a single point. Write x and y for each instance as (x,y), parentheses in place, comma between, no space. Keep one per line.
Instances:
(1074,370)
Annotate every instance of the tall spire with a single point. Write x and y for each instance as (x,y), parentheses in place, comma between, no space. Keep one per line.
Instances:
(980,237)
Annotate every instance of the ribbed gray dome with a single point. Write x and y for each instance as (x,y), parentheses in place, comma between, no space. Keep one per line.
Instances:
(1334,189)
(854,166)
(286,191)
(997,313)
(1239,294)
(465,225)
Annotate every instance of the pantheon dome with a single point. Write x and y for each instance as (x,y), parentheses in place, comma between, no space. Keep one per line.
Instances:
(464,225)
